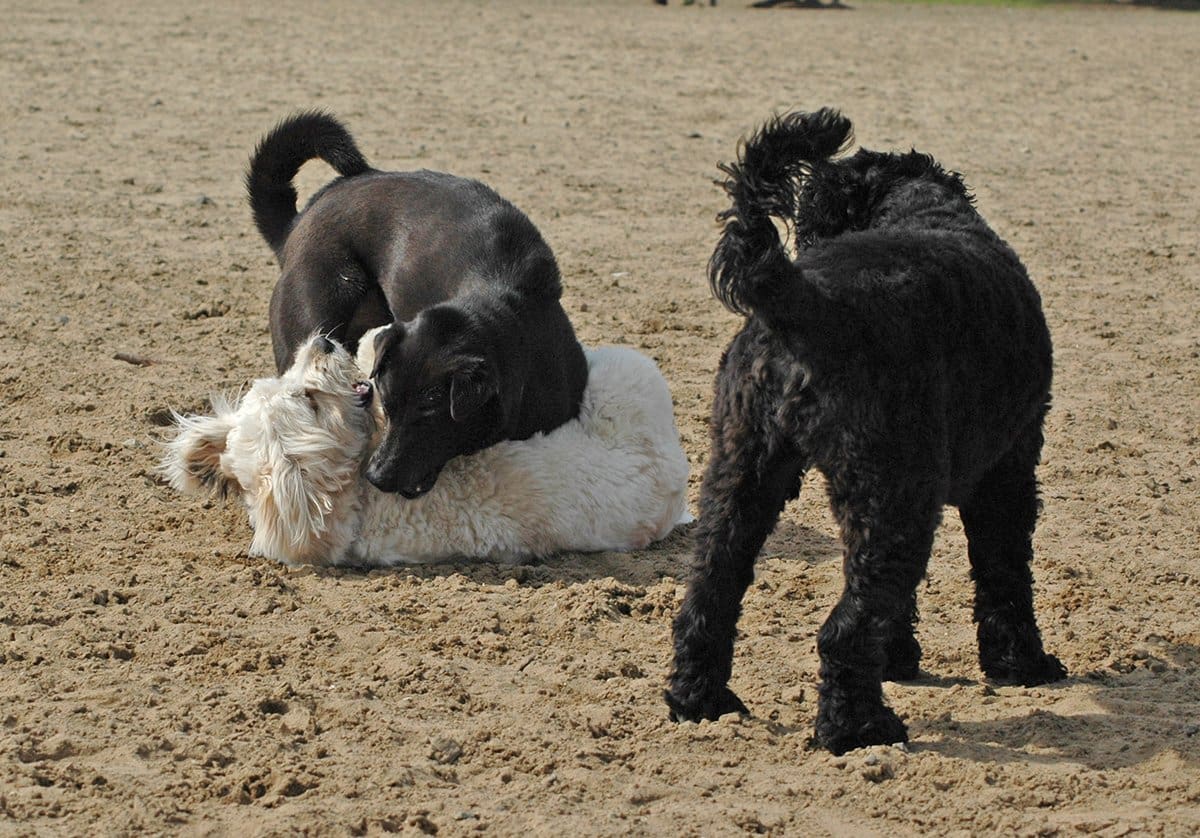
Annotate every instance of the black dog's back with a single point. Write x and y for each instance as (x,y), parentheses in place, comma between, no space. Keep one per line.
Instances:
(424,235)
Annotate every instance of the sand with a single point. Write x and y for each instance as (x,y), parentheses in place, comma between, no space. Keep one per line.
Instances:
(154,679)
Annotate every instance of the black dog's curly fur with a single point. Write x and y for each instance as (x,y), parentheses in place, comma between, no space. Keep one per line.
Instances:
(903,352)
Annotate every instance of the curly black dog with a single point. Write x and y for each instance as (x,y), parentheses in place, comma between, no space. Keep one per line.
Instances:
(479,349)
(903,352)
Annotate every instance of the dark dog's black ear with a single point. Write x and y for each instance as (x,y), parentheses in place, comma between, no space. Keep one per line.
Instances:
(471,388)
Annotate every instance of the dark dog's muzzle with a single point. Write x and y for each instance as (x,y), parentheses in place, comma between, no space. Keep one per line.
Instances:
(378,477)
(421,486)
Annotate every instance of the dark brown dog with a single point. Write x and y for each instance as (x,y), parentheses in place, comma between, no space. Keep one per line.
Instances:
(480,348)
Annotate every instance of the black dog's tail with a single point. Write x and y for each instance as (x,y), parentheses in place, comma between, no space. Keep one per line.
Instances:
(764,182)
(278,158)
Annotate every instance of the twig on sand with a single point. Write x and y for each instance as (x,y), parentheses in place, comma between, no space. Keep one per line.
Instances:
(130,358)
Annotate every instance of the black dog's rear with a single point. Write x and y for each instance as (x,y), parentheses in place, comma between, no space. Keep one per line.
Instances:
(277,160)
(745,268)
(903,353)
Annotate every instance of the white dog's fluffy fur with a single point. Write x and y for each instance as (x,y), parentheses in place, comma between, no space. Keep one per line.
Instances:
(293,447)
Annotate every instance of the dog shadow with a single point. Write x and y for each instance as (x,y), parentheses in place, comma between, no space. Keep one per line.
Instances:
(1126,718)
(792,541)
(668,558)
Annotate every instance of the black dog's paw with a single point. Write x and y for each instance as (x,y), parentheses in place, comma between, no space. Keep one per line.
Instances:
(1040,669)
(902,670)
(711,706)
(903,660)
(883,727)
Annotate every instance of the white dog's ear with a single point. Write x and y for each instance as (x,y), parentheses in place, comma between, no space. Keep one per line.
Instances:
(193,459)
(289,519)
(301,503)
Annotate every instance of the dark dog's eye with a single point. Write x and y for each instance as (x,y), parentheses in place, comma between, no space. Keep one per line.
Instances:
(432,397)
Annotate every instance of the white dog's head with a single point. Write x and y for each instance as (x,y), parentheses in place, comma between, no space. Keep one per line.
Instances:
(290,447)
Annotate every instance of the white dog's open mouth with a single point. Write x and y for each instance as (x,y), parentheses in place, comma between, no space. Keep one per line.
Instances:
(362,392)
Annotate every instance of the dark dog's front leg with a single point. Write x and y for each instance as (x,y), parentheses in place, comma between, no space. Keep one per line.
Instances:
(750,477)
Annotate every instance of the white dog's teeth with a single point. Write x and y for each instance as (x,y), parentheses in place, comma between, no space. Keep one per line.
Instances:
(362,390)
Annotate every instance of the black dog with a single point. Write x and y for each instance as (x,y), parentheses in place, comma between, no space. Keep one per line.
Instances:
(480,350)
(904,354)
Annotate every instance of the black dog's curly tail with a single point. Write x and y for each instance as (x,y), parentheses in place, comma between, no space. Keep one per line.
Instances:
(749,258)
(279,156)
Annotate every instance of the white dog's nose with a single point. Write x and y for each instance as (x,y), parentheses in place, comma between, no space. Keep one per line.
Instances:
(323,345)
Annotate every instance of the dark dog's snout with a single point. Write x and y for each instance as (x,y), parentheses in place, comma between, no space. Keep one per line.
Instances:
(379,478)
(323,345)
(384,480)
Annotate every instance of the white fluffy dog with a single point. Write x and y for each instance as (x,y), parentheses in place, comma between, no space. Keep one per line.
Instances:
(293,447)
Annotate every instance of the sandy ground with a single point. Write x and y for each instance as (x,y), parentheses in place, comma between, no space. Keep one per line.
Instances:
(155,679)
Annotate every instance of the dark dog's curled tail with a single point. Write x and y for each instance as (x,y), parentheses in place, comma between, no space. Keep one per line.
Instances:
(278,158)
(763,183)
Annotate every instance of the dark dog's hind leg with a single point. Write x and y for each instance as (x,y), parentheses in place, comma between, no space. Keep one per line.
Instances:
(999,520)
(749,479)
(739,506)
(902,652)
(887,541)
(340,302)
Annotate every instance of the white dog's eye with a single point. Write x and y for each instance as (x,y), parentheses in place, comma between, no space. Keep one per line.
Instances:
(311,395)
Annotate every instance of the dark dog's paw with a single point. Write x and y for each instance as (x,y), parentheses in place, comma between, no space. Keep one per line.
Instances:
(711,706)
(883,727)
(902,670)
(1041,669)
(903,660)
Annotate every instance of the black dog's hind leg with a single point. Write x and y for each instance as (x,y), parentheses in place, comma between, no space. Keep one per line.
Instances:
(750,476)
(887,539)
(999,519)
(740,503)
(336,298)
(901,651)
